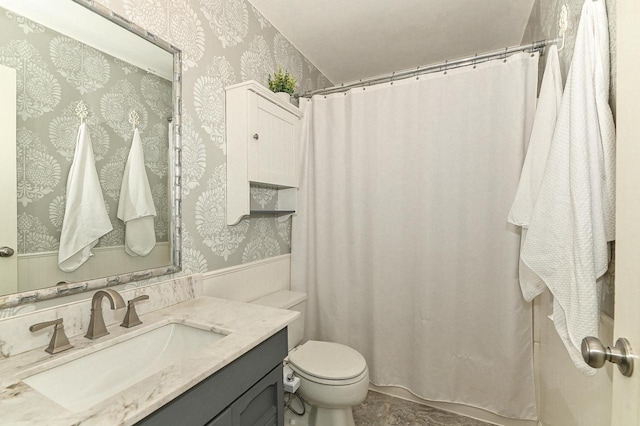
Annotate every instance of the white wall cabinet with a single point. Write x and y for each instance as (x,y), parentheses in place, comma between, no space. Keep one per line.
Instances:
(262,146)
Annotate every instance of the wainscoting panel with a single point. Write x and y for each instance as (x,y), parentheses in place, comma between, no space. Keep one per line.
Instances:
(249,281)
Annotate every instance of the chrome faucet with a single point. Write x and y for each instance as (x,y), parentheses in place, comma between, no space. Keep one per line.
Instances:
(97,328)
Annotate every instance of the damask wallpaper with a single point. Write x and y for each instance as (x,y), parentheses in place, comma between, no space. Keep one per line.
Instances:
(223,42)
(543,25)
(55,73)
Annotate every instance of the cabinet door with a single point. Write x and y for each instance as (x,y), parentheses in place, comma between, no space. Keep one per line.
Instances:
(273,134)
(263,404)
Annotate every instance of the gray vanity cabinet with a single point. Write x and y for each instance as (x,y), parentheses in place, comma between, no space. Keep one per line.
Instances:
(247,392)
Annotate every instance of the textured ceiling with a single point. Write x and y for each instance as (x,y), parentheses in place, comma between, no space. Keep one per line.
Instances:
(353,39)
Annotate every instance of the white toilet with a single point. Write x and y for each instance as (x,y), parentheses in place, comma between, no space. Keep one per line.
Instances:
(333,377)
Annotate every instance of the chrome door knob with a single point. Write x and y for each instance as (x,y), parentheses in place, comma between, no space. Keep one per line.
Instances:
(6,252)
(595,354)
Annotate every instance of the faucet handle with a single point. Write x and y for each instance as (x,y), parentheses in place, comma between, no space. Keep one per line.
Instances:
(59,341)
(41,325)
(137,299)
(131,318)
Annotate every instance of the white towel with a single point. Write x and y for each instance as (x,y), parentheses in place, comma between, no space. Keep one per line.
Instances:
(136,206)
(541,135)
(535,163)
(573,218)
(85,216)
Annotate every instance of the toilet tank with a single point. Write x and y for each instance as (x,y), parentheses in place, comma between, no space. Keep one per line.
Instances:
(293,301)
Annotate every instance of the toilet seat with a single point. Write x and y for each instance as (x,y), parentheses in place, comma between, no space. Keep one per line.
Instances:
(328,363)
(329,382)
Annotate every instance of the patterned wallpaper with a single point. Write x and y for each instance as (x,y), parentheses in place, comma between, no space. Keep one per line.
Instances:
(54,73)
(223,42)
(543,24)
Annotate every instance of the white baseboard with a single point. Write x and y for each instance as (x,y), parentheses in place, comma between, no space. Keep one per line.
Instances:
(249,281)
(463,410)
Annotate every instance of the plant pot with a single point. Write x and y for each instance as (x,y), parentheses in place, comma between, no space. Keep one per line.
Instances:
(284,96)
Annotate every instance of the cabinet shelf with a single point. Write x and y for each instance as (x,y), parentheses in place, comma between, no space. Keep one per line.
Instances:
(276,212)
(262,148)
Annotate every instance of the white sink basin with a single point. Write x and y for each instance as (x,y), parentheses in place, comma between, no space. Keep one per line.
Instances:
(86,381)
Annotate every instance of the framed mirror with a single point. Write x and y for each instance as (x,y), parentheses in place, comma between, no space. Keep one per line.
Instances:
(84,89)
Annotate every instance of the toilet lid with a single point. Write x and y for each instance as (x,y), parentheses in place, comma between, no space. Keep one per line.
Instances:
(327,360)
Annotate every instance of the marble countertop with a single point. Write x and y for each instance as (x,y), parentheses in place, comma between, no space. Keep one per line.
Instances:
(246,326)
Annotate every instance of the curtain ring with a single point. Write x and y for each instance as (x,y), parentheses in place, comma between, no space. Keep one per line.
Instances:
(418,72)
(505,54)
(445,67)
(392,75)
(363,88)
(475,58)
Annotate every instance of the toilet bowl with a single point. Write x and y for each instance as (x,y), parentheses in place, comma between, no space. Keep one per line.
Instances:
(333,377)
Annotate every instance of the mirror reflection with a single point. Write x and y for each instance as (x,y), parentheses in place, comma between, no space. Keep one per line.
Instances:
(91,155)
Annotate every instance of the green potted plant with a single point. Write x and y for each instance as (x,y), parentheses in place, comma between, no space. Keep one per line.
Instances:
(282,84)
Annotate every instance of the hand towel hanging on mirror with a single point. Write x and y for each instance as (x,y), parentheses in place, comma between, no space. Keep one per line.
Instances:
(136,206)
(85,217)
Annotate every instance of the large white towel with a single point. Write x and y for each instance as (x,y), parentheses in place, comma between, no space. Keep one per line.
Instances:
(85,216)
(136,206)
(573,218)
(535,163)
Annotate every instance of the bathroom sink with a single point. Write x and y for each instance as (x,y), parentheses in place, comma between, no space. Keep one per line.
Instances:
(88,380)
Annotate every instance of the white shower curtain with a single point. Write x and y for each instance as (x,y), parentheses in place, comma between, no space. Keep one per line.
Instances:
(401,240)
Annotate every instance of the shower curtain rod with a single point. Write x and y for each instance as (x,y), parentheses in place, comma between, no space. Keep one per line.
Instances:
(442,66)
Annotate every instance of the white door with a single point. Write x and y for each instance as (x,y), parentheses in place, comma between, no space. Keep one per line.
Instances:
(626,390)
(8,200)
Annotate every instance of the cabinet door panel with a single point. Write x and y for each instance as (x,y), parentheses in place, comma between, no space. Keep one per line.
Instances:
(262,405)
(272,155)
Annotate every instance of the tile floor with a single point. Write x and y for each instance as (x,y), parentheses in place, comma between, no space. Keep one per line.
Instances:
(383,410)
